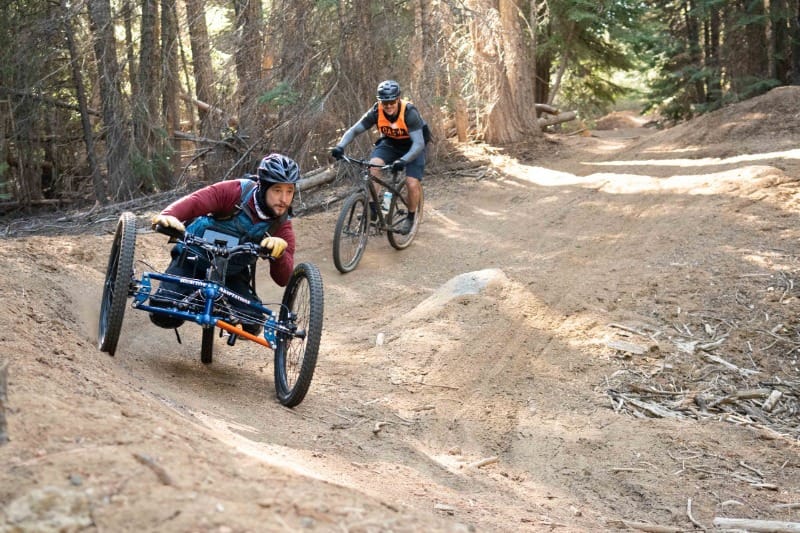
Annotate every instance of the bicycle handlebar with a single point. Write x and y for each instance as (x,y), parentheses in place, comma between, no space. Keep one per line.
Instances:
(170,232)
(221,250)
(365,163)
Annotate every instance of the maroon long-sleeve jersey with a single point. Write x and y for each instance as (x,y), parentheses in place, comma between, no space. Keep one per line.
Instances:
(222,199)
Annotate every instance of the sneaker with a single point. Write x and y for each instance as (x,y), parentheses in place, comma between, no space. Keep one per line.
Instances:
(405,226)
(373,212)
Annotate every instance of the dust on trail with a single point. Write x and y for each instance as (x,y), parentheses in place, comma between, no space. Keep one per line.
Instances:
(496,401)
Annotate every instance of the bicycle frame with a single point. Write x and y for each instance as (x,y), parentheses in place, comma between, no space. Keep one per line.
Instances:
(367,181)
(209,291)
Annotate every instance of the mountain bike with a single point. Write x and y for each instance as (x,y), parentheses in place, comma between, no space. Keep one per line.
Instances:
(292,330)
(354,226)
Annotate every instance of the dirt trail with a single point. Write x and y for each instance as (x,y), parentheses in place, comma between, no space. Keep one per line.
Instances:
(582,338)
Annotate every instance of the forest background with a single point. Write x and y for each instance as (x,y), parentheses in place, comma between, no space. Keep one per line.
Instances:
(109,100)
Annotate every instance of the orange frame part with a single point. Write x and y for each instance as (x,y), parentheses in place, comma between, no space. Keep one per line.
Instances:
(242,333)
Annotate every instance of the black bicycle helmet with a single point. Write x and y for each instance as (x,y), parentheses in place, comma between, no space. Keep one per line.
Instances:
(277,168)
(388,90)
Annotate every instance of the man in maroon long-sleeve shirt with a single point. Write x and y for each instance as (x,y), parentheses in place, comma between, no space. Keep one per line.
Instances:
(244,210)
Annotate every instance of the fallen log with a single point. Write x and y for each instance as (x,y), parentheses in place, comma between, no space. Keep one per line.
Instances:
(315,179)
(208,108)
(545,108)
(746,524)
(566,116)
(34,203)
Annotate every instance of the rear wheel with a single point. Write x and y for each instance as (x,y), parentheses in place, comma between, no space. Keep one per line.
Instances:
(296,355)
(350,235)
(398,210)
(207,345)
(119,275)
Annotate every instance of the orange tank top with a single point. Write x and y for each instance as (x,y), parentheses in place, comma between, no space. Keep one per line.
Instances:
(396,129)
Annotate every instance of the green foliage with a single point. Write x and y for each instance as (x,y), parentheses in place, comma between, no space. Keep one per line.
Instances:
(281,95)
(693,74)
(153,173)
(595,39)
(590,93)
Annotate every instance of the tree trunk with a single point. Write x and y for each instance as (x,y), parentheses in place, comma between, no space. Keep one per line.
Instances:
(780,51)
(456,104)
(552,91)
(517,60)
(693,44)
(249,54)
(128,10)
(795,33)
(100,193)
(203,72)
(30,177)
(417,48)
(512,116)
(426,83)
(712,56)
(502,125)
(543,60)
(146,110)
(171,88)
(117,139)
(746,58)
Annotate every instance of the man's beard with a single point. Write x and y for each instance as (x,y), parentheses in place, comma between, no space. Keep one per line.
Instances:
(263,210)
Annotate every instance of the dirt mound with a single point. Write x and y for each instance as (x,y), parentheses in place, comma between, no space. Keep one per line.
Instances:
(620,119)
(766,123)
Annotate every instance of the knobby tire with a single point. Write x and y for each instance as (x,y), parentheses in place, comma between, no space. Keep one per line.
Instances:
(296,357)
(350,235)
(119,274)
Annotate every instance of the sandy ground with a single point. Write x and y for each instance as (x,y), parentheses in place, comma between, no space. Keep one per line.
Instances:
(590,333)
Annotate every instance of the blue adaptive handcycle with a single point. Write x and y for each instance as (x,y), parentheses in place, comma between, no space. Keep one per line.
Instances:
(292,331)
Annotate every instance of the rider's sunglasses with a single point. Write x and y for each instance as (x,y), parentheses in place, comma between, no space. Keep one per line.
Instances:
(388,103)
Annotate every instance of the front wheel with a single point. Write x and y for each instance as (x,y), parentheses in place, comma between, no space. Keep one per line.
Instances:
(119,274)
(398,209)
(296,354)
(350,235)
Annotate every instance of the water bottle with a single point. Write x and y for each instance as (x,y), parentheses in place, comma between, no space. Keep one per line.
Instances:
(387,199)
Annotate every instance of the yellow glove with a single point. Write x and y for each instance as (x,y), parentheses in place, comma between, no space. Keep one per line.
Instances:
(168,221)
(276,245)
